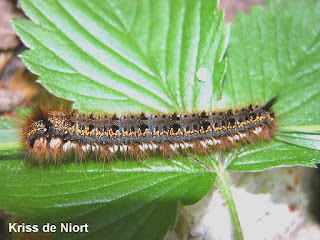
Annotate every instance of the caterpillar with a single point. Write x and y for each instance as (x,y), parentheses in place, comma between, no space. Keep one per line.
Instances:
(52,135)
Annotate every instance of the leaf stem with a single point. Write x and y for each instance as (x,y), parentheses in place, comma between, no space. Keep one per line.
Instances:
(222,180)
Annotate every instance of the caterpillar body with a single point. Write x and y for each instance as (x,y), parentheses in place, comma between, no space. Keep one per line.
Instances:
(52,135)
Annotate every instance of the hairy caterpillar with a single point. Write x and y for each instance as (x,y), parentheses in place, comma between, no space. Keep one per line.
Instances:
(52,135)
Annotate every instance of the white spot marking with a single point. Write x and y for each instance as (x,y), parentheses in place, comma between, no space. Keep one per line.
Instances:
(257,130)
(111,149)
(188,145)
(172,147)
(243,135)
(66,146)
(55,143)
(203,143)
(115,147)
(145,146)
(141,147)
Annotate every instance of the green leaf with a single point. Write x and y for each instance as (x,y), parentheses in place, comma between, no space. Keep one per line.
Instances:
(119,56)
(306,139)
(110,196)
(274,154)
(9,137)
(142,55)
(277,51)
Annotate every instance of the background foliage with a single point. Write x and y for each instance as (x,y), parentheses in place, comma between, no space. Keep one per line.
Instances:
(120,56)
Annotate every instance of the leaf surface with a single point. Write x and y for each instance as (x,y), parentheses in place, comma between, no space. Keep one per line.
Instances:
(108,197)
(141,55)
(272,52)
(117,57)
